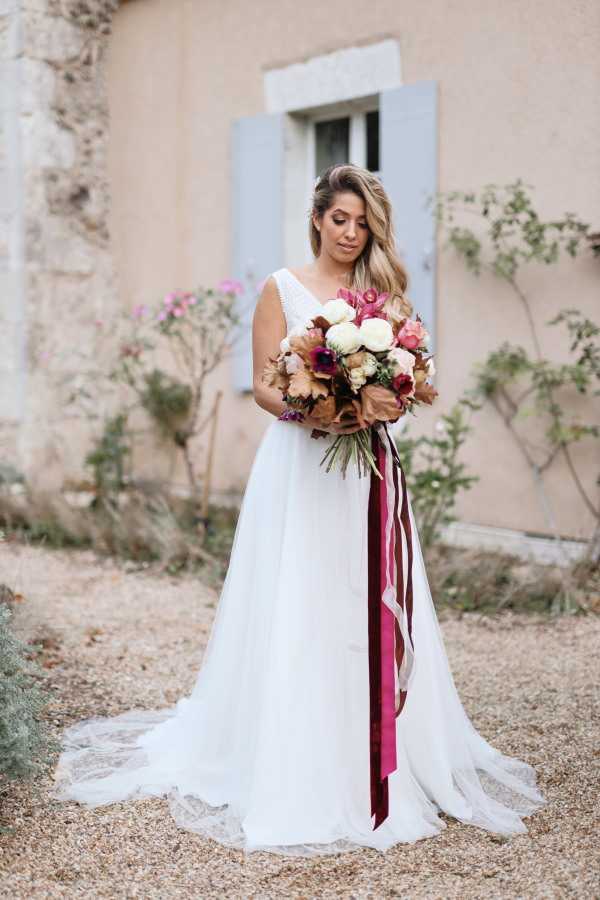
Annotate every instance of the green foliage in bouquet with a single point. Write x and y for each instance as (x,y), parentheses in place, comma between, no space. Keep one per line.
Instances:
(24,746)
(434,473)
(507,236)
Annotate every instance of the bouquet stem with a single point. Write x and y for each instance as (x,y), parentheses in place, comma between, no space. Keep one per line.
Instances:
(347,447)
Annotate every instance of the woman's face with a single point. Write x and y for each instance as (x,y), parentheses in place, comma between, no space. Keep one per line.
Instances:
(344,230)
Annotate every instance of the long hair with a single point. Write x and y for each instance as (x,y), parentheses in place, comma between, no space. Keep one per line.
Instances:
(378,265)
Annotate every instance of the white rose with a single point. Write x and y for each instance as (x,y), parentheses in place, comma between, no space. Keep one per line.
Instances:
(430,367)
(402,360)
(370,364)
(338,311)
(343,337)
(376,334)
(357,378)
(293,363)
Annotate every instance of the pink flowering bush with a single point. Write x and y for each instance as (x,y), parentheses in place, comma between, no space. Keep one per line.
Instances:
(163,355)
(169,354)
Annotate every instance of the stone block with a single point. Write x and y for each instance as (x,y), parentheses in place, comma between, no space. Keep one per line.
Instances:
(9,188)
(11,394)
(50,37)
(5,23)
(11,36)
(55,247)
(36,84)
(11,345)
(45,143)
(11,296)
(4,243)
(9,86)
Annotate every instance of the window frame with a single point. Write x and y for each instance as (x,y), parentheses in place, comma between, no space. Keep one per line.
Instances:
(355,110)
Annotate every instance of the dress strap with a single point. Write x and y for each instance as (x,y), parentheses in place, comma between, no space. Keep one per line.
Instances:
(296,302)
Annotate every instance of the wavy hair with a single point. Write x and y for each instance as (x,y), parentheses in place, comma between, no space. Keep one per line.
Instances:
(378,265)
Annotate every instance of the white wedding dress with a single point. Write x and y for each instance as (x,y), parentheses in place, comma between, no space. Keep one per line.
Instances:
(270,751)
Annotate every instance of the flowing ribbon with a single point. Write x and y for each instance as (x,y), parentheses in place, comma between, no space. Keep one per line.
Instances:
(390,601)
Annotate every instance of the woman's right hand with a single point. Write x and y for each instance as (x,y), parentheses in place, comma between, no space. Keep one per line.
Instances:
(348,424)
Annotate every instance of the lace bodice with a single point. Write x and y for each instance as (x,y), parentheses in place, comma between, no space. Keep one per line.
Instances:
(297,302)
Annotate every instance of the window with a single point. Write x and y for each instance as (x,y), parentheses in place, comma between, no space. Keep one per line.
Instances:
(332,143)
(353,138)
(372,141)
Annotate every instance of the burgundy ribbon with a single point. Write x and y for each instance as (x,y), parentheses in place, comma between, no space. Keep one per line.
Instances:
(386,642)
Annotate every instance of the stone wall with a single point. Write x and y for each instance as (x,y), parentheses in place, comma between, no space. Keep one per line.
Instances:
(12,325)
(55,264)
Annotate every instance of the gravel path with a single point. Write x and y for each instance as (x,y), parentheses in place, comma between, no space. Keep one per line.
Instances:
(117,639)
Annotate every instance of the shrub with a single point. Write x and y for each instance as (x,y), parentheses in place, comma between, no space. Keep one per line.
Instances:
(24,745)
(434,474)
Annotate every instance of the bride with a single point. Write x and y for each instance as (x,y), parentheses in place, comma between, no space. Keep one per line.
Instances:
(271,749)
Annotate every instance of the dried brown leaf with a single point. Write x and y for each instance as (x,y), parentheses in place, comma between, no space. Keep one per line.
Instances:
(304,384)
(379,404)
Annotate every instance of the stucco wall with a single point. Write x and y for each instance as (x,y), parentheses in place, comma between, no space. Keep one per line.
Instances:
(518,97)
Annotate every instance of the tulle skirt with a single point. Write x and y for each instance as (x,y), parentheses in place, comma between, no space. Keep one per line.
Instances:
(270,751)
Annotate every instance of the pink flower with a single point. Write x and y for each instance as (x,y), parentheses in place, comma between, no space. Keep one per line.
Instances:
(162,316)
(412,334)
(131,350)
(170,298)
(178,311)
(349,296)
(368,305)
(230,286)
(139,311)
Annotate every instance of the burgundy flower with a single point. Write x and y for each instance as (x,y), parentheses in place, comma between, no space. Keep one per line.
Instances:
(403,384)
(323,359)
(291,415)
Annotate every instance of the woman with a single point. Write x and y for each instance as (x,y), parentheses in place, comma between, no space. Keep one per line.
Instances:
(271,749)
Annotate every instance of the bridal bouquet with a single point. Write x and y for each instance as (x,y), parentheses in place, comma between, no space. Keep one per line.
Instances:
(351,359)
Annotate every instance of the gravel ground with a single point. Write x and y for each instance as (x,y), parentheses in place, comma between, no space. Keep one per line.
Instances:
(117,639)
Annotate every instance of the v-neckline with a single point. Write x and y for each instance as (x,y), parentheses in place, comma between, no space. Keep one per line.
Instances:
(306,290)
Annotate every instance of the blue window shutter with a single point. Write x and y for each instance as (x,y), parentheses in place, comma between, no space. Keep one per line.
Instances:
(408,139)
(257,221)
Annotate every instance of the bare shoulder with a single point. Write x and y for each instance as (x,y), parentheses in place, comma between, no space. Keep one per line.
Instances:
(268,304)
(269,295)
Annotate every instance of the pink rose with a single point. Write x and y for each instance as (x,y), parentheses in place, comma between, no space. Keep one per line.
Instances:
(412,334)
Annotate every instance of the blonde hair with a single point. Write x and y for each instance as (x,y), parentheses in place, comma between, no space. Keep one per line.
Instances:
(378,265)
